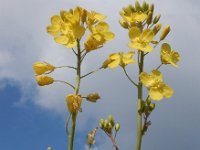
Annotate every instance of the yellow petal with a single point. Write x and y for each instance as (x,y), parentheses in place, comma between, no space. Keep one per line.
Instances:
(79,31)
(61,39)
(145,47)
(155,94)
(157,75)
(102,27)
(108,36)
(71,44)
(65,28)
(53,30)
(114,56)
(128,61)
(98,16)
(147,35)
(166,47)
(56,20)
(167,91)
(114,64)
(139,17)
(134,33)
(128,55)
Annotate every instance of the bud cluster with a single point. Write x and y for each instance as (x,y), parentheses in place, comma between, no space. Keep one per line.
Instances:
(108,124)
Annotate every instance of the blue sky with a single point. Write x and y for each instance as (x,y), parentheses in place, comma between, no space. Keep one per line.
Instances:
(33,117)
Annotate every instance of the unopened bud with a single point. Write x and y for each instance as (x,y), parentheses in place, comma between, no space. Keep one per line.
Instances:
(44,80)
(149,18)
(111,120)
(124,24)
(144,6)
(137,6)
(106,123)
(117,127)
(152,106)
(151,8)
(93,97)
(165,32)
(132,8)
(157,28)
(156,19)
(84,16)
(49,148)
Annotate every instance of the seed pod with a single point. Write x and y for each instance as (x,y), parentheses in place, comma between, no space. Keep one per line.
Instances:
(157,28)
(165,32)
(149,18)
(156,19)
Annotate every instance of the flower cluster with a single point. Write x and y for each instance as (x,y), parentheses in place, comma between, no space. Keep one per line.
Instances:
(70,26)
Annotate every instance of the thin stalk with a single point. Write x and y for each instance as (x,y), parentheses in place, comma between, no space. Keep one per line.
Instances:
(129,78)
(139,116)
(76,91)
(91,72)
(71,67)
(65,83)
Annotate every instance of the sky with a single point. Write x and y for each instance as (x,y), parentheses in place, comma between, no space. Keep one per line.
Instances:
(33,117)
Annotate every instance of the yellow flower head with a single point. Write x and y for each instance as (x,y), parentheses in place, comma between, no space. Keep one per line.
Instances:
(141,40)
(157,88)
(100,34)
(43,67)
(67,27)
(73,102)
(44,80)
(169,56)
(90,137)
(94,17)
(120,58)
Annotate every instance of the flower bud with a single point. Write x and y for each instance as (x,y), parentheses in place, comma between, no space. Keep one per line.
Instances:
(106,123)
(84,15)
(165,32)
(49,148)
(149,18)
(152,106)
(151,8)
(42,67)
(117,127)
(93,97)
(144,6)
(157,28)
(111,120)
(137,6)
(90,137)
(73,102)
(132,8)
(44,80)
(124,24)
(156,19)
(127,10)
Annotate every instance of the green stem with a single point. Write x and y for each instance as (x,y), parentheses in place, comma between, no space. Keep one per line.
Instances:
(76,91)
(139,116)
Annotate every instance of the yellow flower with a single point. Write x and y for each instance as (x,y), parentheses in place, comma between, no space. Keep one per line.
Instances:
(73,102)
(43,67)
(100,35)
(101,32)
(157,88)
(68,28)
(91,43)
(120,58)
(90,137)
(44,80)
(169,56)
(141,40)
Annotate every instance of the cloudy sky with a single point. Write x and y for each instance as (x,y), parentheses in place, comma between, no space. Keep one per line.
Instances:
(33,117)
